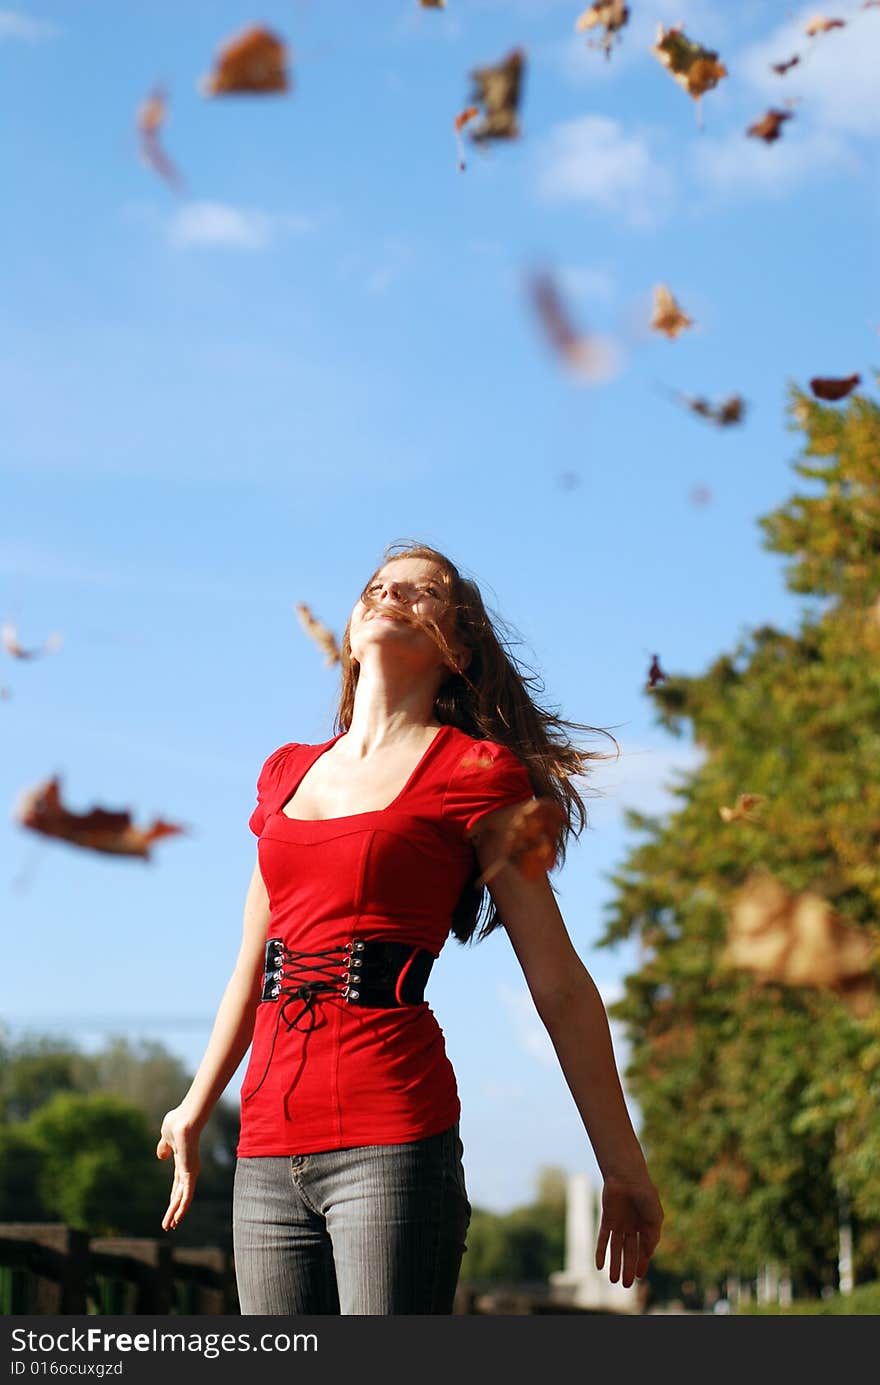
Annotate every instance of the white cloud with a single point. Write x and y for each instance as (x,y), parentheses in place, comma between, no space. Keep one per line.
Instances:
(643,778)
(835,83)
(592,159)
(240,228)
(735,163)
(14,24)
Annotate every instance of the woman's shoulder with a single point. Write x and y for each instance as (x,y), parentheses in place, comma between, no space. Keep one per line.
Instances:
(274,763)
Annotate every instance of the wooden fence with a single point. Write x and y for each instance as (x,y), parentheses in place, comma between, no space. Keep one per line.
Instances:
(47,1267)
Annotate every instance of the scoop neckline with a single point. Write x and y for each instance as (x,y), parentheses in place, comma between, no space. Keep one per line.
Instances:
(367,813)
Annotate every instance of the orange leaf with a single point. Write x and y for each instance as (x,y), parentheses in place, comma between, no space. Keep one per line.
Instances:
(151,117)
(530,841)
(668,317)
(40,810)
(320,633)
(818,25)
(12,646)
(769,127)
(254,62)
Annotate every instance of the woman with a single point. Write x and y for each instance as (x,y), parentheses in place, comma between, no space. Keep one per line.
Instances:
(349,1193)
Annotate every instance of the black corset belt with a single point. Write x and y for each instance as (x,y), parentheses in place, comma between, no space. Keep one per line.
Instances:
(377,974)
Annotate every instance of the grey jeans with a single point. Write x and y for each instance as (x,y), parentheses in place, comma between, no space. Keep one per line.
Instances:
(376,1229)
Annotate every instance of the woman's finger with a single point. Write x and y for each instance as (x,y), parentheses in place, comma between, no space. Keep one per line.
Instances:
(616,1253)
(602,1243)
(630,1257)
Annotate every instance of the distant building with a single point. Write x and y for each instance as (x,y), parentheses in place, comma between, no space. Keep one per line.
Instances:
(580,1283)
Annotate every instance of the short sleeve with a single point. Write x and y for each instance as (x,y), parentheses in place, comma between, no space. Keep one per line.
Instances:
(488,776)
(269,783)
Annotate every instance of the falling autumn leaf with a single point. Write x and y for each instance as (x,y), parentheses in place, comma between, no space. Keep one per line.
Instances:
(151,116)
(832,387)
(700,495)
(769,127)
(798,940)
(742,809)
(40,810)
(655,672)
(497,91)
(320,633)
(529,842)
(728,411)
(612,15)
(12,646)
(458,125)
(696,69)
(433,4)
(254,61)
(592,358)
(818,25)
(782,68)
(667,316)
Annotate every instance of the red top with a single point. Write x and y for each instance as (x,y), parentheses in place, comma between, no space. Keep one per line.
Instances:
(365,1076)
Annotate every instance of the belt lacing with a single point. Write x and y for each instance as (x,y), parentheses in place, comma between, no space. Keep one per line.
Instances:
(290,965)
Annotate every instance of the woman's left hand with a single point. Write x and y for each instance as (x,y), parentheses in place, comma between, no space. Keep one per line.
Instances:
(631,1220)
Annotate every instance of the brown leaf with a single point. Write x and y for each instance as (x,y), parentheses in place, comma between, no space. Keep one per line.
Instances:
(497,90)
(254,61)
(667,316)
(433,4)
(834,387)
(12,646)
(782,68)
(818,25)
(728,411)
(797,940)
(742,810)
(592,358)
(611,15)
(655,672)
(40,810)
(529,843)
(769,127)
(696,69)
(320,633)
(151,116)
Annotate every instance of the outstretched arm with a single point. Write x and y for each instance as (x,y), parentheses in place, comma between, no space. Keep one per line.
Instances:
(230,1039)
(574,1016)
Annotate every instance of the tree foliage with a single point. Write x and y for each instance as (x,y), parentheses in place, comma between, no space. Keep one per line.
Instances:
(760,1102)
(525,1244)
(74,1159)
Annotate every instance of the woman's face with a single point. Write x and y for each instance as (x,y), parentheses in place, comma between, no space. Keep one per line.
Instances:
(405,595)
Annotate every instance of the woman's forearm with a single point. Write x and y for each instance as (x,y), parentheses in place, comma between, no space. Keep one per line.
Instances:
(579,1031)
(230,1039)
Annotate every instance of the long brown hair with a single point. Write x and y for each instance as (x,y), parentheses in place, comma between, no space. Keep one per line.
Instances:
(492,699)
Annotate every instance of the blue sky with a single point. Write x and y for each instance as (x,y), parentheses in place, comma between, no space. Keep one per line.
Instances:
(218,403)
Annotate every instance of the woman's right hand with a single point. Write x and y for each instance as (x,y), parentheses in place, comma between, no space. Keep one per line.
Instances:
(179,1138)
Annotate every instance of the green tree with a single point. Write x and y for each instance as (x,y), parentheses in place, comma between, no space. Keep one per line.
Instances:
(99,1170)
(21,1163)
(143,1074)
(34,1069)
(760,1103)
(527,1243)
